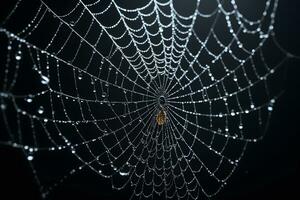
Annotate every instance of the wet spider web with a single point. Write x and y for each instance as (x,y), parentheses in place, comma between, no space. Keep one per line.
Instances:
(162,102)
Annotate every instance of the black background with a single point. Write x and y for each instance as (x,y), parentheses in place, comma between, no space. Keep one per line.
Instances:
(269,169)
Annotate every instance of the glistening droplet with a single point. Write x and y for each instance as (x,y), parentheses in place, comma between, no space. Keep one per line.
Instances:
(41,110)
(44,80)
(3,106)
(270,108)
(72,23)
(30,157)
(124,173)
(161,29)
(18,56)
(28,99)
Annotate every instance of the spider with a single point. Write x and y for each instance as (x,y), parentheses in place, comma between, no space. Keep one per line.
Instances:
(161,117)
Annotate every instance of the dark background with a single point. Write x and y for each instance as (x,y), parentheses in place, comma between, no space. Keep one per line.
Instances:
(270,169)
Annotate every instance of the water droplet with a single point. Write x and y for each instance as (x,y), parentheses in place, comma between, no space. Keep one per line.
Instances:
(30,157)
(28,99)
(272,101)
(44,80)
(114,167)
(161,29)
(41,110)
(72,23)
(124,173)
(232,113)
(18,56)
(3,106)
(270,108)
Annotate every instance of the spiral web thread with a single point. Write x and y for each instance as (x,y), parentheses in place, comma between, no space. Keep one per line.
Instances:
(99,72)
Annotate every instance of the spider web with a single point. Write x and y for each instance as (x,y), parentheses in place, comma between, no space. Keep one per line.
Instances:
(88,82)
